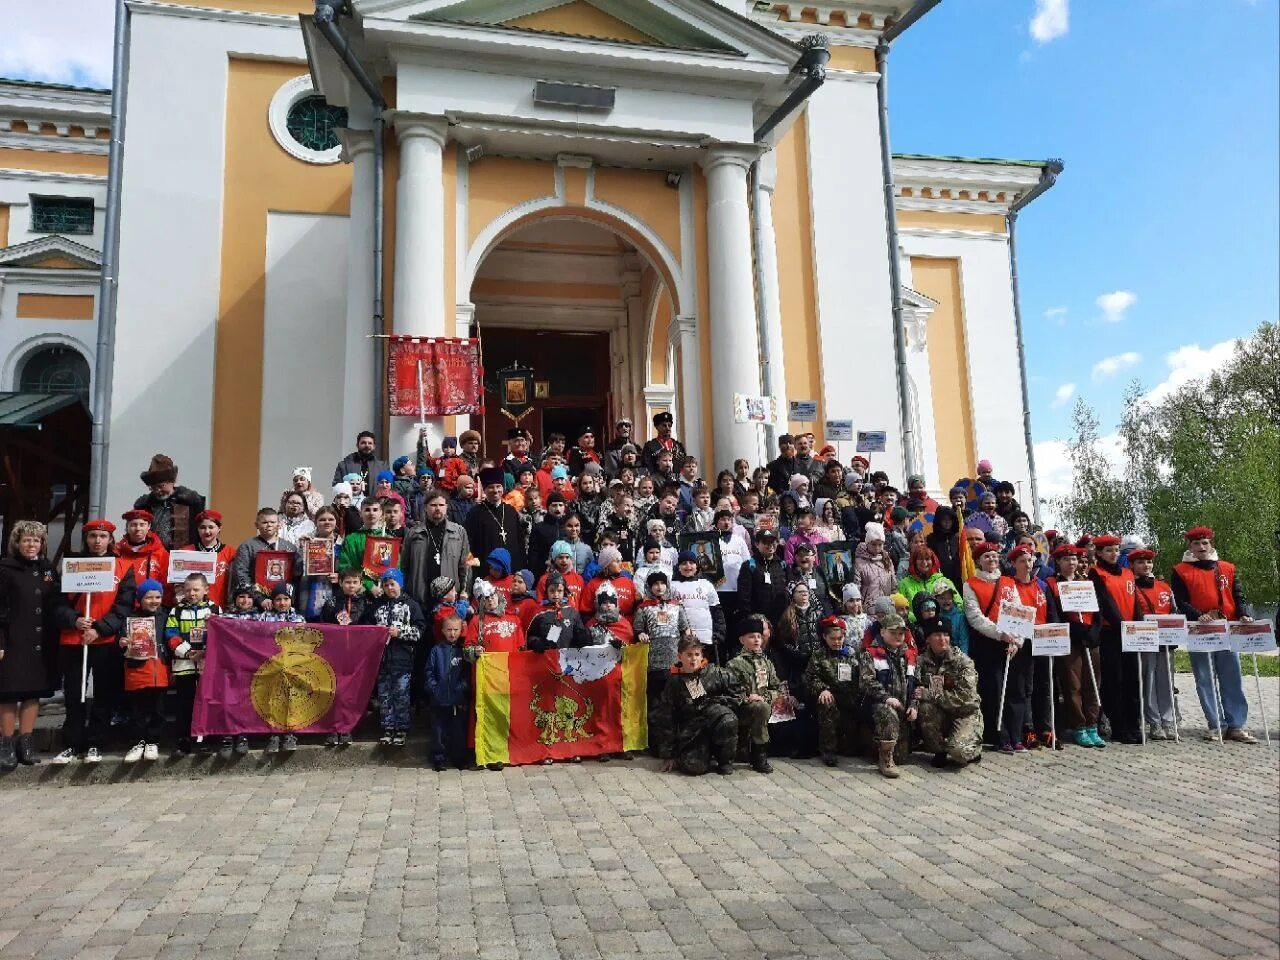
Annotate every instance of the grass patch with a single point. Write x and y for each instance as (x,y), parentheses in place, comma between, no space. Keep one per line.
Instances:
(1267,666)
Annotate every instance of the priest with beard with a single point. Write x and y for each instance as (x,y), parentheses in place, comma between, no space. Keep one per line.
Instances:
(493,523)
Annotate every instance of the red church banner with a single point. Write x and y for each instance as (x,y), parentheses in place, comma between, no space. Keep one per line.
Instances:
(265,677)
(434,377)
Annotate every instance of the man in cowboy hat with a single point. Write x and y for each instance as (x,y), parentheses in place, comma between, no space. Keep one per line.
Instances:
(171,507)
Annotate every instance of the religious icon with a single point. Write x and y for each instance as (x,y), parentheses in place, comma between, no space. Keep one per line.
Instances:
(514,385)
(541,389)
(706,547)
(140,642)
(513,391)
(271,567)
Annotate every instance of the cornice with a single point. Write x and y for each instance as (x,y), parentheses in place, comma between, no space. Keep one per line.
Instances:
(154,8)
(47,176)
(930,233)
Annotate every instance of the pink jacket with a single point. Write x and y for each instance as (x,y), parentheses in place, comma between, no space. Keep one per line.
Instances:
(871,576)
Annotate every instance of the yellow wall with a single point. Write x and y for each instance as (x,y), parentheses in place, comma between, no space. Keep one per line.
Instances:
(939,278)
(704,316)
(937,220)
(645,194)
(580,19)
(792,227)
(4,224)
(496,184)
(58,263)
(55,306)
(47,161)
(658,368)
(853,58)
(258,177)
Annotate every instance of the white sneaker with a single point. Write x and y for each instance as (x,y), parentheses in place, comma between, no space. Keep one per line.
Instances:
(152,752)
(93,756)
(66,756)
(134,755)
(1155,732)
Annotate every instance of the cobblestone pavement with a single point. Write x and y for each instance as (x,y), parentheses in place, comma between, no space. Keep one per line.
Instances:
(1163,851)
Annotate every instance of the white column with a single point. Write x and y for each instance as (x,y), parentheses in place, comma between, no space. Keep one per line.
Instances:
(684,332)
(735,354)
(419,278)
(361,386)
(775,373)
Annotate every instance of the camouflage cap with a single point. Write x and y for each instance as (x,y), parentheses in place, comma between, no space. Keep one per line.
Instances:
(893,622)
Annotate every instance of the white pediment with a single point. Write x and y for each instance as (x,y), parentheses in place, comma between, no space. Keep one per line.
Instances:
(53,252)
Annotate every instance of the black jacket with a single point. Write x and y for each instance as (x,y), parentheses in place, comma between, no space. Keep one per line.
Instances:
(175,516)
(541,537)
(762,588)
(28,595)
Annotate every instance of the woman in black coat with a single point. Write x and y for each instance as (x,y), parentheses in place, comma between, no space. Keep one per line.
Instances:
(28,642)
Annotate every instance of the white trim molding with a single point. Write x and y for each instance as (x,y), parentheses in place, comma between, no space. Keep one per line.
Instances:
(290,93)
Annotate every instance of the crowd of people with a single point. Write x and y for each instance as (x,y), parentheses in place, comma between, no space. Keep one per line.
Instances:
(805,607)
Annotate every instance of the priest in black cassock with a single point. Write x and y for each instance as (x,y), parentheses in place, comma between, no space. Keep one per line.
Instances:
(495,524)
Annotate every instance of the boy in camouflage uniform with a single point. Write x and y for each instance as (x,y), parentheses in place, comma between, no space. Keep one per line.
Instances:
(831,680)
(888,681)
(947,696)
(759,685)
(695,726)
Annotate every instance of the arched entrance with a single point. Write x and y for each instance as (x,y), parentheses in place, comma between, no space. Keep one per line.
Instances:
(585,309)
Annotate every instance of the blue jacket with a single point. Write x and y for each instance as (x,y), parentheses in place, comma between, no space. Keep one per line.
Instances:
(447,676)
(959,627)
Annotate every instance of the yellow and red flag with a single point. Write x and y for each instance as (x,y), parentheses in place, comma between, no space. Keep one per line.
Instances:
(561,704)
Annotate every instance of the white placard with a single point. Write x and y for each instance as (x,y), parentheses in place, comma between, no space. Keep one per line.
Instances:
(1078,596)
(837,430)
(1256,636)
(802,411)
(872,441)
(1173,628)
(1051,640)
(183,563)
(748,409)
(88,574)
(1016,620)
(1208,637)
(1139,636)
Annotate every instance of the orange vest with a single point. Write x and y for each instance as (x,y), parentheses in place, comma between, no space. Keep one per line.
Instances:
(986,592)
(1209,589)
(1157,598)
(1085,618)
(1122,587)
(100,605)
(1030,595)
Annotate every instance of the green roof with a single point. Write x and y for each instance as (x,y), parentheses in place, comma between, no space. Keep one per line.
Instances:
(993,161)
(53,86)
(25,409)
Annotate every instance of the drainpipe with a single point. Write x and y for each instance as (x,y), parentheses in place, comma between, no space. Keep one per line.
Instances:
(910,452)
(1048,176)
(108,279)
(812,67)
(326,17)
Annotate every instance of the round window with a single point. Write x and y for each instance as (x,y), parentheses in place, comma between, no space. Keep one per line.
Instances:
(314,125)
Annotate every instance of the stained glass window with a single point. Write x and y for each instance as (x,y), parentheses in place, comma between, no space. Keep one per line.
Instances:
(61,215)
(55,370)
(314,124)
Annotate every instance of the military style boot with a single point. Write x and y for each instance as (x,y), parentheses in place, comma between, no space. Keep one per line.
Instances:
(887,767)
(760,758)
(26,750)
(8,760)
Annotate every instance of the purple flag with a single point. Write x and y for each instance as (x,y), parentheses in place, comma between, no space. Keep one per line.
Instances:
(263,677)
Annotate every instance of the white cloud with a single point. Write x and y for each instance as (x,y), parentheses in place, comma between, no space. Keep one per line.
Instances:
(1054,475)
(1113,305)
(1191,363)
(1063,394)
(1109,366)
(1050,21)
(58,41)
(1057,314)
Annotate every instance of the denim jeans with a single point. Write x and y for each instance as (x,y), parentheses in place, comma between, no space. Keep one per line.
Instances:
(1235,707)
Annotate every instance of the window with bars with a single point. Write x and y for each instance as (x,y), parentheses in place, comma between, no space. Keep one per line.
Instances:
(62,215)
(314,124)
(55,370)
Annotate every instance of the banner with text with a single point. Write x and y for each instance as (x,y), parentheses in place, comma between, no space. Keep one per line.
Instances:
(434,377)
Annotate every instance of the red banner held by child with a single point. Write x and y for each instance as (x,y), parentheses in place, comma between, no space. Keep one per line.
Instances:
(434,377)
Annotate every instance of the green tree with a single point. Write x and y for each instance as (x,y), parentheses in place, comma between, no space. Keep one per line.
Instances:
(1099,500)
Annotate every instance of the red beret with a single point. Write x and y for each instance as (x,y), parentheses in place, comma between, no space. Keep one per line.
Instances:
(1141,554)
(986,547)
(827,451)
(832,623)
(1050,534)
(140,515)
(1106,540)
(106,525)
(1199,533)
(1022,551)
(213,515)
(862,460)
(1066,550)
(1084,541)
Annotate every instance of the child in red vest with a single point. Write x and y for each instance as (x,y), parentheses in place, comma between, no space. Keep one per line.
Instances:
(146,678)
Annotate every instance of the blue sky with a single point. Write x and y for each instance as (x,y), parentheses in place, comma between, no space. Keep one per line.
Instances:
(1159,244)
(1165,112)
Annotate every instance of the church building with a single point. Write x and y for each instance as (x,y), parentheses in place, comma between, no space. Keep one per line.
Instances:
(652,204)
